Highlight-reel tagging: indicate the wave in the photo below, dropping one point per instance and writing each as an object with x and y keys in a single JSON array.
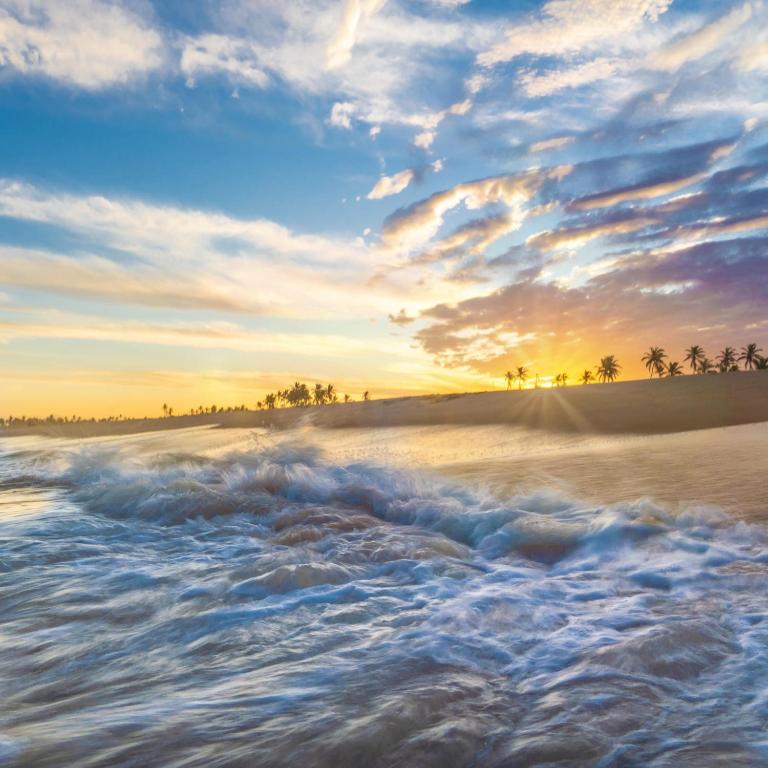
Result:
[{"x": 273, "y": 606}]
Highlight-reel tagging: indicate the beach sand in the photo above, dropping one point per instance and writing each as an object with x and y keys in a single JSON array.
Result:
[{"x": 634, "y": 407}]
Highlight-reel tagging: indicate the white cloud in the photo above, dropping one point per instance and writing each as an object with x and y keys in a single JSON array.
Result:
[
  {"x": 391, "y": 185},
  {"x": 554, "y": 143},
  {"x": 85, "y": 43},
  {"x": 703, "y": 41},
  {"x": 570, "y": 26},
  {"x": 213, "y": 54},
  {"x": 341, "y": 115},
  {"x": 755, "y": 57},
  {"x": 184, "y": 257},
  {"x": 355, "y": 11},
  {"x": 424, "y": 139},
  {"x": 536, "y": 85},
  {"x": 366, "y": 54}
]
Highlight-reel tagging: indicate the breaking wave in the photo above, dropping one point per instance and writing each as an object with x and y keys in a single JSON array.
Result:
[{"x": 272, "y": 608}]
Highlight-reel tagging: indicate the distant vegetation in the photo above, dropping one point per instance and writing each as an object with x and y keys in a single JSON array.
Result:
[
  {"x": 298, "y": 395},
  {"x": 657, "y": 363}
]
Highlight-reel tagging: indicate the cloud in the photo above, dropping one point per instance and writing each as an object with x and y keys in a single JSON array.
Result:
[
  {"x": 675, "y": 293},
  {"x": 391, "y": 185},
  {"x": 197, "y": 335},
  {"x": 642, "y": 191},
  {"x": 341, "y": 115},
  {"x": 571, "y": 26},
  {"x": 401, "y": 318},
  {"x": 88, "y": 44},
  {"x": 702, "y": 42},
  {"x": 556, "y": 142},
  {"x": 755, "y": 57},
  {"x": 340, "y": 48},
  {"x": 372, "y": 57},
  {"x": 214, "y": 54},
  {"x": 169, "y": 256},
  {"x": 568, "y": 237},
  {"x": 92, "y": 276},
  {"x": 536, "y": 85},
  {"x": 415, "y": 225}
]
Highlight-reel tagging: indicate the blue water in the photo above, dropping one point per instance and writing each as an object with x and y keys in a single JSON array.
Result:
[{"x": 272, "y": 608}]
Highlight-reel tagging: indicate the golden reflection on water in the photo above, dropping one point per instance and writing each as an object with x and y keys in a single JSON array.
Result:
[{"x": 725, "y": 467}]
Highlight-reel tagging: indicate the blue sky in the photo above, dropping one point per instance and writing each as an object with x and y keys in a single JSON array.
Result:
[{"x": 204, "y": 200}]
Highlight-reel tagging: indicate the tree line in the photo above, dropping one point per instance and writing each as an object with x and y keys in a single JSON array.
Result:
[
  {"x": 658, "y": 363},
  {"x": 300, "y": 395},
  {"x": 607, "y": 370}
]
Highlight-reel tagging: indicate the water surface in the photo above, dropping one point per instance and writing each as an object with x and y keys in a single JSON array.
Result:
[{"x": 221, "y": 598}]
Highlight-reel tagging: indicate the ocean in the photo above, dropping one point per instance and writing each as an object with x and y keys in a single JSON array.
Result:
[{"x": 423, "y": 597}]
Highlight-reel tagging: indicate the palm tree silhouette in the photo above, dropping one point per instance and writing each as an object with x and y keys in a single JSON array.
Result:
[
  {"x": 727, "y": 359},
  {"x": 674, "y": 369},
  {"x": 654, "y": 360},
  {"x": 509, "y": 377},
  {"x": 521, "y": 375},
  {"x": 165, "y": 409},
  {"x": 366, "y": 395},
  {"x": 694, "y": 355},
  {"x": 587, "y": 377},
  {"x": 748, "y": 355},
  {"x": 330, "y": 394},
  {"x": 761, "y": 363},
  {"x": 319, "y": 394},
  {"x": 707, "y": 366},
  {"x": 609, "y": 368}
]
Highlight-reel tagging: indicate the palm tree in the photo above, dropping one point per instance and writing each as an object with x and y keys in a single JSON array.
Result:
[
  {"x": 564, "y": 379},
  {"x": 319, "y": 394},
  {"x": 694, "y": 355},
  {"x": 366, "y": 395},
  {"x": 674, "y": 369},
  {"x": 761, "y": 363},
  {"x": 509, "y": 377},
  {"x": 347, "y": 399},
  {"x": 609, "y": 368},
  {"x": 587, "y": 377},
  {"x": 165, "y": 409},
  {"x": 521, "y": 374},
  {"x": 330, "y": 394},
  {"x": 707, "y": 366},
  {"x": 654, "y": 360},
  {"x": 748, "y": 355},
  {"x": 727, "y": 359}
]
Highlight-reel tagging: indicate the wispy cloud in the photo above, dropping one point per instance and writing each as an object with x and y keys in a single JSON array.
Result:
[
  {"x": 391, "y": 185},
  {"x": 88, "y": 44}
]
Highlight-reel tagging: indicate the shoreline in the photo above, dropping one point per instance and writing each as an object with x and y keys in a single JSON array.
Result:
[{"x": 658, "y": 406}]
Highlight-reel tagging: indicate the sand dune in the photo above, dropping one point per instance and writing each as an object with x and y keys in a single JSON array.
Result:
[{"x": 633, "y": 407}]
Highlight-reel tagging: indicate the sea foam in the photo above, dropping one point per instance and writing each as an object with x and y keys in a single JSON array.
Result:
[{"x": 271, "y": 607}]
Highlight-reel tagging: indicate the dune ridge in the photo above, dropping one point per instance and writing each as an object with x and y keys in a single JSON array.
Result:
[{"x": 633, "y": 407}]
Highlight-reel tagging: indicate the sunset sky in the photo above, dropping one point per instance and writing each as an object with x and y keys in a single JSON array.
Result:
[{"x": 201, "y": 201}]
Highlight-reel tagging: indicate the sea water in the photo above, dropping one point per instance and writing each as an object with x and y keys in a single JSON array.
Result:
[{"x": 266, "y": 603}]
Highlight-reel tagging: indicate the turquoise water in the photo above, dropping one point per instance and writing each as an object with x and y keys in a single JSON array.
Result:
[{"x": 274, "y": 606}]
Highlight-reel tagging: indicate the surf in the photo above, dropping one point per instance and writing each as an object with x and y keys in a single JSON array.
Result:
[{"x": 304, "y": 610}]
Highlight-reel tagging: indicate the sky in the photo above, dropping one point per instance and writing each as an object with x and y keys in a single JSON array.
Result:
[{"x": 203, "y": 201}]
